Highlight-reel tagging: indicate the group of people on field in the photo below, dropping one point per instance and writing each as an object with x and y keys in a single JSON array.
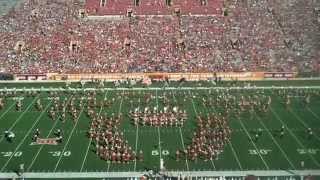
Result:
[
  {"x": 168, "y": 117},
  {"x": 109, "y": 141},
  {"x": 208, "y": 140}
]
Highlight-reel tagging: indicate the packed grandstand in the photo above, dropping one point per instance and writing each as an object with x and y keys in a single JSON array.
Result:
[
  {"x": 102, "y": 36},
  {"x": 160, "y": 89}
]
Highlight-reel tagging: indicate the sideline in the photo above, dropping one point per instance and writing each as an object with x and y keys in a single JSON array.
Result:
[
  {"x": 273, "y": 173},
  {"x": 158, "y": 88}
]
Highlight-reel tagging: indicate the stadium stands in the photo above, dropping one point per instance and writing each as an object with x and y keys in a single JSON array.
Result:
[
  {"x": 152, "y": 7},
  {"x": 50, "y": 36}
]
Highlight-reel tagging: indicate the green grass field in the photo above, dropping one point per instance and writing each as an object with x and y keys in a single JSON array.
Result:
[{"x": 295, "y": 151}]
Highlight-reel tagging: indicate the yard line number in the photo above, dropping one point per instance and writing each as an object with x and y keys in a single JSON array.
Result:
[
  {"x": 18, "y": 98},
  {"x": 58, "y": 153},
  {"x": 307, "y": 151},
  {"x": 10, "y": 153},
  {"x": 259, "y": 151},
  {"x": 163, "y": 152}
]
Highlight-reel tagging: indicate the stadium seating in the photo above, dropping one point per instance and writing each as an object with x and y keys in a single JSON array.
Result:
[{"x": 153, "y": 7}]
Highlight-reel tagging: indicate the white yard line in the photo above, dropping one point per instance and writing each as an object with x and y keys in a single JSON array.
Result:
[
  {"x": 4, "y": 113},
  {"x": 90, "y": 141},
  {"x": 25, "y": 137},
  {"x": 120, "y": 106},
  {"x": 229, "y": 143},
  {"x": 313, "y": 113},
  {"x": 159, "y": 136},
  {"x": 36, "y": 156},
  {"x": 303, "y": 123},
  {"x": 21, "y": 115},
  {"x": 182, "y": 141},
  {"x": 255, "y": 146},
  {"x": 136, "y": 146},
  {"x": 294, "y": 136},
  {"x": 181, "y": 137},
  {"x": 40, "y": 149},
  {"x": 276, "y": 143},
  {"x": 194, "y": 109},
  {"x": 235, "y": 155},
  {"x": 65, "y": 146}
]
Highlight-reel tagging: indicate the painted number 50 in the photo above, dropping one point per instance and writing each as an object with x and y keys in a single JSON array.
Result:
[{"x": 163, "y": 152}]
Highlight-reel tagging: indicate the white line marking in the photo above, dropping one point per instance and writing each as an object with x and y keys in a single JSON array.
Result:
[
  {"x": 229, "y": 143},
  {"x": 275, "y": 142},
  {"x": 120, "y": 106},
  {"x": 4, "y": 113},
  {"x": 36, "y": 156},
  {"x": 303, "y": 123},
  {"x": 180, "y": 131},
  {"x": 244, "y": 128},
  {"x": 136, "y": 146},
  {"x": 235, "y": 155},
  {"x": 159, "y": 136},
  {"x": 25, "y": 137},
  {"x": 313, "y": 113},
  {"x": 40, "y": 149},
  {"x": 65, "y": 146},
  {"x": 194, "y": 109},
  {"x": 294, "y": 136},
  {"x": 182, "y": 141},
  {"x": 21, "y": 115},
  {"x": 85, "y": 157}
]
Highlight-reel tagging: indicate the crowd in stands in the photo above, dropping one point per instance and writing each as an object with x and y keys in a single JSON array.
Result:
[
  {"x": 153, "y": 7},
  {"x": 50, "y": 36}
]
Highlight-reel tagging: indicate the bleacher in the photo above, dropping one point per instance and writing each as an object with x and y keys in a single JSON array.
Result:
[{"x": 153, "y": 7}]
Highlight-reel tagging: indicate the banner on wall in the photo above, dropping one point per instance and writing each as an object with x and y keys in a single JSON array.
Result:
[
  {"x": 279, "y": 75},
  {"x": 30, "y": 77}
]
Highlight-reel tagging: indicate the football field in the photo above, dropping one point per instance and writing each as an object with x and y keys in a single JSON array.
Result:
[{"x": 297, "y": 149}]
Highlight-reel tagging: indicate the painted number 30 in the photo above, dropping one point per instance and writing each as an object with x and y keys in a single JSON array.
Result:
[
  {"x": 259, "y": 151},
  {"x": 59, "y": 153},
  {"x": 156, "y": 152}
]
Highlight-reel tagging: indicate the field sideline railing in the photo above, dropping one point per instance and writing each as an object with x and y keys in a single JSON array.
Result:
[{"x": 215, "y": 174}]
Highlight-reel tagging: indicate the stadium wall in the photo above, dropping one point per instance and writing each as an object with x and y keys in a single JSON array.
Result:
[
  {"x": 175, "y": 76},
  {"x": 242, "y": 76}
]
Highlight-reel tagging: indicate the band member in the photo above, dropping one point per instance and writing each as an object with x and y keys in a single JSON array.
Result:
[
  {"x": 178, "y": 155},
  {"x": 18, "y": 105}
]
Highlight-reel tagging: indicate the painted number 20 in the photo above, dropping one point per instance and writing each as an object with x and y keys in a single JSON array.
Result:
[{"x": 9, "y": 154}]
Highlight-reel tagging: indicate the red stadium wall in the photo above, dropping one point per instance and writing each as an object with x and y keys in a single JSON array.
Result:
[{"x": 153, "y": 7}]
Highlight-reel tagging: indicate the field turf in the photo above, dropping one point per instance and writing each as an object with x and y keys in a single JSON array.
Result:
[{"x": 295, "y": 151}]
